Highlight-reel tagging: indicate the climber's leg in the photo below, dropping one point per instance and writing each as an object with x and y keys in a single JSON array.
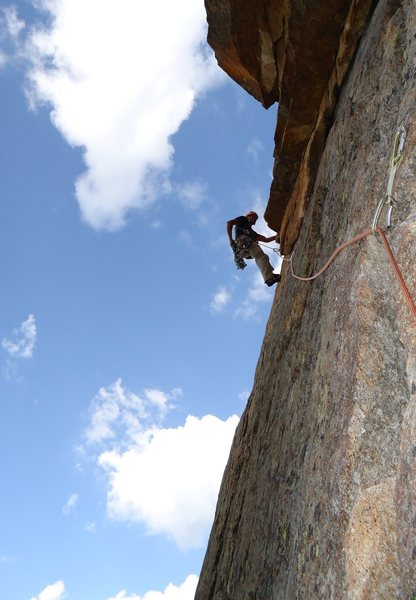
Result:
[{"x": 262, "y": 261}]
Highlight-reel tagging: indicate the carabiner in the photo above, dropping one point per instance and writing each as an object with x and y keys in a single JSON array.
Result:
[
  {"x": 396, "y": 157},
  {"x": 385, "y": 201}
]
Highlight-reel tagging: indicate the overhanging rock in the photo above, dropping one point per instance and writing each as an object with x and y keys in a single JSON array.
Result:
[{"x": 295, "y": 52}]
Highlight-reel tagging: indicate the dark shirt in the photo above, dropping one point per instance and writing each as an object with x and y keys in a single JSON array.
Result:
[{"x": 243, "y": 227}]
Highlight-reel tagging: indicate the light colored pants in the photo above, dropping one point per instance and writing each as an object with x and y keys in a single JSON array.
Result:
[{"x": 262, "y": 260}]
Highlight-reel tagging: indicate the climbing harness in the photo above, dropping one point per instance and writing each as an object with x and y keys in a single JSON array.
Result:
[
  {"x": 242, "y": 250},
  {"x": 386, "y": 202}
]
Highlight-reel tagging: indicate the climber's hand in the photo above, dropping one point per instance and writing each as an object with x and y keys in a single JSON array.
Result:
[{"x": 233, "y": 245}]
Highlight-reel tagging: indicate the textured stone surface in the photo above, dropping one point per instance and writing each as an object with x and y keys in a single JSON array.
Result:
[
  {"x": 296, "y": 52},
  {"x": 318, "y": 498}
]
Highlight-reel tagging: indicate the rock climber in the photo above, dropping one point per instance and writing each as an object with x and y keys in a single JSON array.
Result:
[{"x": 246, "y": 245}]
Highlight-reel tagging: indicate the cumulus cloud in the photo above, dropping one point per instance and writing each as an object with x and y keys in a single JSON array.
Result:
[
  {"x": 55, "y": 591},
  {"x": 171, "y": 483},
  {"x": 120, "y": 77},
  {"x": 11, "y": 28},
  {"x": 13, "y": 24},
  {"x": 186, "y": 591},
  {"x": 23, "y": 339},
  {"x": 191, "y": 194},
  {"x": 256, "y": 294},
  {"x": 220, "y": 300},
  {"x": 117, "y": 414},
  {"x": 70, "y": 504},
  {"x": 165, "y": 478}
]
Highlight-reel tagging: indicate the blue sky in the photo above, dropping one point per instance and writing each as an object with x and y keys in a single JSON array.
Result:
[{"x": 128, "y": 338}]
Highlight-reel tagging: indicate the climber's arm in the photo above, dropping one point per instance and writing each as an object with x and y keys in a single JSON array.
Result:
[{"x": 262, "y": 238}]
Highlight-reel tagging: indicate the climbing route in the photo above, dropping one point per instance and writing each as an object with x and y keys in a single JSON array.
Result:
[{"x": 386, "y": 202}]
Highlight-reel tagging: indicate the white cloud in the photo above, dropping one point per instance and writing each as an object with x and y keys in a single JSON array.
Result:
[
  {"x": 55, "y": 591},
  {"x": 165, "y": 478},
  {"x": 70, "y": 504},
  {"x": 24, "y": 341},
  {"x": 171, "y": 482},
  {"x": 192, "y": 194},
  {"x": 116, "y": 411},
  {"x": 220, "y": 300},
  {"x": 91, "y": 527},
  {"x": 244, "y": 396},
  {"x": 156, "y": 225},
  {"x": 120, "y": 80},
  {"x": 255, "y": 148},
  {"x": 257, "y": 293},
  {"x": 258, "y": 205},
  {"x": 11, "y": 370},
  {"x": 13, "y": 24},
  {"x": 186, "y": 238},
  {"x": 11, "y": 28},
  {"x": 186, "y": 591},
  {"x": 160, "y": 400}
]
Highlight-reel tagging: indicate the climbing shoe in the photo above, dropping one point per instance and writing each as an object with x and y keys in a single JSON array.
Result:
[{"x": 275, "y": 278}]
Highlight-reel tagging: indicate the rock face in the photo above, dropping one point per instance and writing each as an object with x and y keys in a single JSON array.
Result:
[
  {"x": 318, "y": 499},
  {"x": 297, "y": 52}
]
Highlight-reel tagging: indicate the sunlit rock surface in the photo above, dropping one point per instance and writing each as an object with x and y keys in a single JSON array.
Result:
[{"x": 318, "y": 499}]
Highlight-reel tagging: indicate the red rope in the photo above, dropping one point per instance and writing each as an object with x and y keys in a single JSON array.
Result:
[
  {"x": 357, "y": 238},
  {"x": 390, "y": 256},
  {"x": 397, "y": 272}
]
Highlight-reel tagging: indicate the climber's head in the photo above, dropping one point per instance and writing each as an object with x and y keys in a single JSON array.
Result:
[{"x": 252, "y": 217}]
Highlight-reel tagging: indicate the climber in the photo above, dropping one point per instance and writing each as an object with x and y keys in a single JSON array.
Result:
[{"x": 246, "y": 245}]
